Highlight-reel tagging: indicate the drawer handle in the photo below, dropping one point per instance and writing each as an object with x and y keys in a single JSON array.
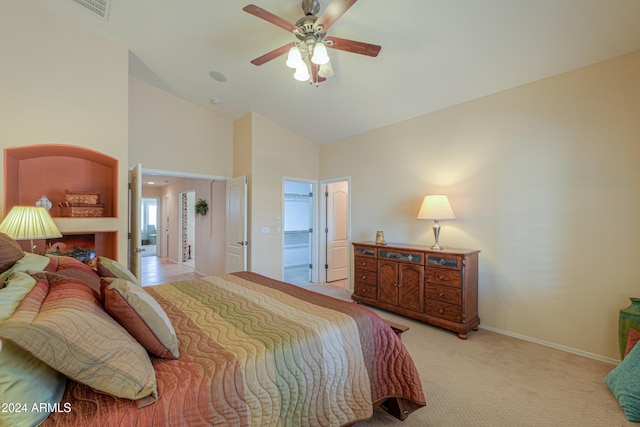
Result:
[
  {"x": 440, "y": 294},
  {"x": 441, "y": 277},
  {"x": 441, "y": 311},
  {"x": 364, "y": 290},
  {"x": 363, "y": 263},
  {"x": 442, "y": 261}
]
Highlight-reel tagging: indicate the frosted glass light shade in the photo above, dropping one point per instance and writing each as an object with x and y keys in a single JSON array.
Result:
[
  {"x": 436, "y": 207},
  {"x": 294, "y": 58},
  {"x": 302, "y": 73},
  {"x": 29, "y": 222},
  {"x": 326, "y": 70},
  {"x": 320, "y": 55}
]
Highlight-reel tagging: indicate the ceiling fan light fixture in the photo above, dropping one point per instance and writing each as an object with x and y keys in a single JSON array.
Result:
[
  {"x": 294, "y": 58},
  {"x": 302, "y": 73},
  {"x": 326, "y": 70},
  {"x": 320, "y": 55}
]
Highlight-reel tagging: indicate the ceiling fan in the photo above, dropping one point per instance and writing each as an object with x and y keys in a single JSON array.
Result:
[{"x": 308, "y": 54}]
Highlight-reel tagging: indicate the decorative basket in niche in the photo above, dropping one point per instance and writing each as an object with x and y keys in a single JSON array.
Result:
[
  {"x": 83, "y": 197},
  {"x": 80, "y": 210}
]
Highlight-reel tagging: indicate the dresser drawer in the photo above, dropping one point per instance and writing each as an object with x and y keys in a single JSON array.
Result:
[
  {"x": 365, "y": 277},
  {"x": 364, "y": 263},
  {"x": 443, "y": 310},
  {"x": 443, "y": 294},
  {"x": 401, "y": 255},
  {"x": 365, "y": 251},
  {"x": 453, "y": 262},
  {"x": 440, "y": 276},
  {"x": 363, "y": 290}
]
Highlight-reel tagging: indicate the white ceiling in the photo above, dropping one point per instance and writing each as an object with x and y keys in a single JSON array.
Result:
[{"x": 435, "y": 53}]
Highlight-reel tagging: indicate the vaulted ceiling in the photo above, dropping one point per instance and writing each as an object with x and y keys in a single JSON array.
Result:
[{"x": 435, "y": 53}]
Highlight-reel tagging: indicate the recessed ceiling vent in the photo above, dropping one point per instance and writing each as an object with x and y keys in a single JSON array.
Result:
[{"x": 99, "y": 7}]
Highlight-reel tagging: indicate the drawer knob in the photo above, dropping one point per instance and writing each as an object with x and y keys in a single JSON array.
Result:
[
  {"x": 399, "y": 285},
  {"x": 364, "y": 290},
  {"x": 441, "y": 311},
  {"x": 364, "y": 263},
  {"x": 440, "y": 294},
  {"x": 441, "y": 277},
  {"x": 364, "y": 277}
]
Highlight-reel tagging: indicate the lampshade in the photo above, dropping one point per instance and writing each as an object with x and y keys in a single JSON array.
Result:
[
  {"x": 320, "y": 55},
  {"x": 302, "y": 73},
  {"x": 436, "y": 207},
  {"x": 326, "y": 70},
  {"x": 28, "y": 223},
  {"x": 294, "y": 58}
]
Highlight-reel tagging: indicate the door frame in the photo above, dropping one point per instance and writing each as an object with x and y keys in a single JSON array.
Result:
[
  {"x": 313, "y": 243},
  {"x": 322, "y": 241}
]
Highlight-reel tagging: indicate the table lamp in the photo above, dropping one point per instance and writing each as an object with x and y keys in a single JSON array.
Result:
[
  {"x": 436, "y": 207},
  {"x": 28, "y": 223}
]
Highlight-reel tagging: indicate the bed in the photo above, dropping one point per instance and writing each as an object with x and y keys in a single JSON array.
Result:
[{"x": 238, "y": 349}]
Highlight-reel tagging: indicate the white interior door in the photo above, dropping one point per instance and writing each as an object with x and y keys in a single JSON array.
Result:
[
  {"x": 237, "y": 224},
  {"x": 337, "y": 202},
  {"x": 135, "y": 193}
]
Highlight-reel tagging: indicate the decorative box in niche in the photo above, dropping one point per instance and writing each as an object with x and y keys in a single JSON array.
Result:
[{"x": 81, "y": 204}]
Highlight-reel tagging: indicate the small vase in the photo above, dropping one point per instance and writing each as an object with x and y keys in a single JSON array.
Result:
[
  {"x": 629, "y": 318},
  {"x": 44, "y": 202}
]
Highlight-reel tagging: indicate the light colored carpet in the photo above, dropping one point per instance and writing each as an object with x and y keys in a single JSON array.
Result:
[{"x": 494, "y": 380}]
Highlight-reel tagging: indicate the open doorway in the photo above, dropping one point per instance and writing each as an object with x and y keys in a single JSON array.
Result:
[
  {"x": 298, "y": 239},
  {"x": 148, "y": 225}
]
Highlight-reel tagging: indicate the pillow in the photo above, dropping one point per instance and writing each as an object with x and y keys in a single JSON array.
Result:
[
  {"x": 141, "y": 315},
  {"x": 623, "y": 383},
  {"x": 62, "y": 323},
  {"x": 632, "y": 340},
  {"x": 23, "y": 378},
  {"x": 71, "y": 267},
  {"x": 28, "y": 262},
  {"x": 110, "y": 268},
  {"x": 10, "y": 252}
]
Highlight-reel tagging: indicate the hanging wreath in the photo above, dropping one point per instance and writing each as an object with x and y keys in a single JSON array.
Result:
[{"x": 201, "y": 207}]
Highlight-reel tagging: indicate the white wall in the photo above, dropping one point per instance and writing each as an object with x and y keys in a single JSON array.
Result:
[
  {"x": 544, "y": 179},
  {"x": 274, "y": 153},
  {"x": 170, "y": 134}
]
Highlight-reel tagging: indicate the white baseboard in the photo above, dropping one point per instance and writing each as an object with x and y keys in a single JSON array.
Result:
[{"x": 552, "y": 345}]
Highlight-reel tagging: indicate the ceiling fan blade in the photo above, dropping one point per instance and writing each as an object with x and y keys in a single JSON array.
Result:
[
  {"x": 270, "y": 17},
  {"x": 353, "y": 46},
  {"x": 333, "y": 12},
  {"x": 272, "y": 55}
]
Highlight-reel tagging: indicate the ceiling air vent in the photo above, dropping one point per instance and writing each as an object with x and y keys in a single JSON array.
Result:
[{"x": 99, "y": 7}]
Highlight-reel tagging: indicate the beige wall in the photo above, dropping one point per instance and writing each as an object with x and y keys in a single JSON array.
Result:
[
  {"x": 544, "y": 179},
  {"x": 169, "y": 134},
  {"x": 63, "y": 84},
  {"x": 275, "y": 153}
]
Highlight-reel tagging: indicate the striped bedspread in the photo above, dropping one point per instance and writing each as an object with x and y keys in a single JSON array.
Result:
[{"x": 259, "y": 352}]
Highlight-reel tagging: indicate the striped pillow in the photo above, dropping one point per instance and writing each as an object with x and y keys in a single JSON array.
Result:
[
  {"x": 141, "y": 315},
  {"x": 62, "y": 323}
]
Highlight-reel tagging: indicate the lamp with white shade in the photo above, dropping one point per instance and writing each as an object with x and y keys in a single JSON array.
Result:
[
  {"x": 29, "y": 223},
  {"x": 436, "y": 207}
]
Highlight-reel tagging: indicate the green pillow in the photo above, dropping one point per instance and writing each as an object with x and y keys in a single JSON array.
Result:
[
  {"x": 109, "y": 268},
  {"x": 23, "y": 378},
  {"x": 624, "y": 383}
]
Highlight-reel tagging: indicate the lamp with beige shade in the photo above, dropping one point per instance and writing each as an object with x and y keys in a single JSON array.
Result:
[
  {"x": 436, "y": 207},
  {"x": 28, "y": 223}
]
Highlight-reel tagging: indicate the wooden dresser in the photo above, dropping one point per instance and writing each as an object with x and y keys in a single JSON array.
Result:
[{"x": 436, "y": 287}]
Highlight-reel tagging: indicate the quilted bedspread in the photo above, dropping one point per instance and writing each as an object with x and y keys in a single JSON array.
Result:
[{"x": 259, "y": 352}]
